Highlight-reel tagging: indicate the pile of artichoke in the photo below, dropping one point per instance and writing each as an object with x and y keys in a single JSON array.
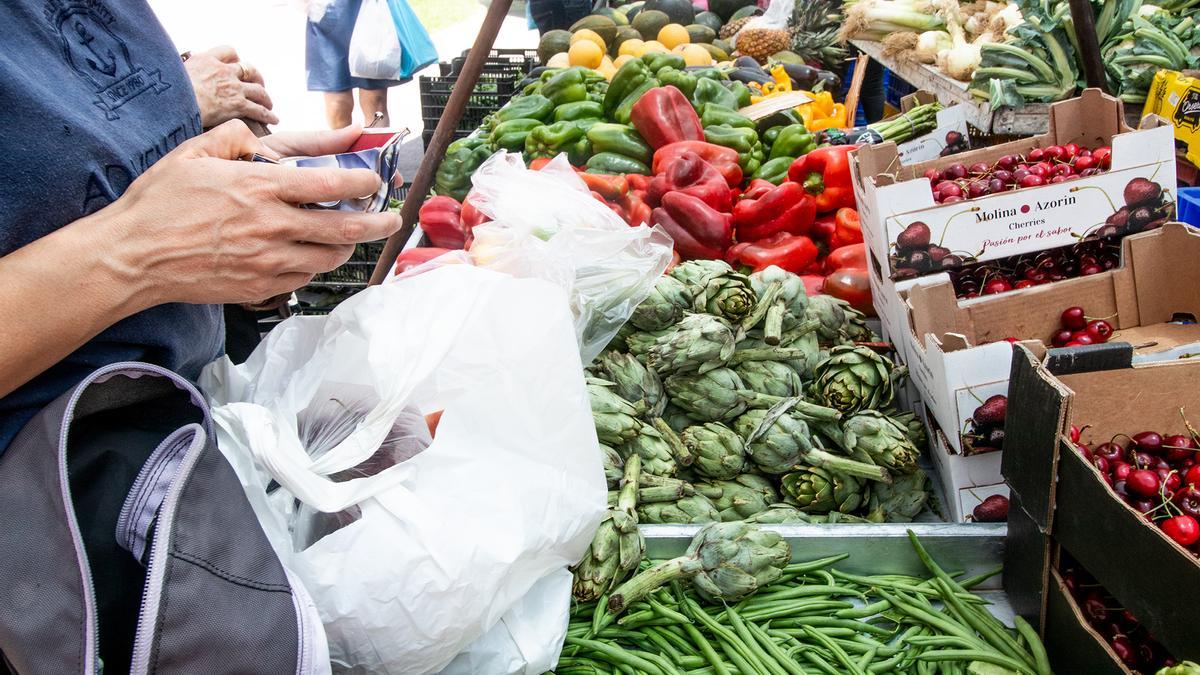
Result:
[{"x": 744, "y": 399}]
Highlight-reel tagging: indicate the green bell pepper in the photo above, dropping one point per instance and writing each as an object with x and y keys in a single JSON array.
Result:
[
  {"x": 627, "y": 78},
  {"x": 579, "y": 152},
  {"x": 713, "y": 115},
  {"x": 680, "y": 79},
  {"x": 453, "y": 176},
  {"x": 711, "y": 91},
  {"x": 769, "y": 136},
  {"x": 578, "y": 110},
  {"x": 710, "y": 73},
  {"x": 740, "y": 92},
  {"x": 657, "y": 61},
  {"x": 623, "y": 111},
  {"x": 551, "y": 139},
  {"x": 597, "y": 90},
  {"x": 793, "y": 141},
  {"x": 620, "y": 139},
  {"x": 615, "y": 163},
  {"x": 774, "y": 170},
  {"x": 535, "y": 107},
  {"x": 744, "y": 141},
  {"x": 566, "y": 87},
  {"x": 511, "y": 135}
]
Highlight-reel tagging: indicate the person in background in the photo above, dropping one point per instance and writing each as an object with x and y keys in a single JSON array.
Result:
[
  {"x": 327, "y": 60},
  {"x": 551, "y": 15},
  {"x": 227, "y": 88}
]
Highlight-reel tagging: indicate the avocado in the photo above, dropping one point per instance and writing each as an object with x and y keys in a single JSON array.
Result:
[
  {"x": 648, "y": 22},
  {"x": 553, "y": 42},
  {"x": 698, "y": 34},
  {"x": 679, "y": 11},
  {"x": 711, "y": 20}
]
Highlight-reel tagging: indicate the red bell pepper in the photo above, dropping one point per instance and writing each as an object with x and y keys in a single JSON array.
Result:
[
  {"x": 823, "y": 228},
  {"x": 793, "y": 253},
  {"x": 691, "y": 175},
  {"x": 849, "y": 228},
  {"x": 539, "y": 163},
  {"x": 699, "y": 230},
  {"x": 853, "y": 257},
  {"x": 472, "y": 217},
  {"x": 813, "y": 284},
  {"x": 441, "y": 220},
  {"x": 637, "y": 211},
  {"x": 637, "y": 181},
  {"x": 853, "y": 286},
  {"x": 785, "y": 208},
  {"x": 611, "y": 188},
  {"x": 825, "y": 174},
  {"x": 722, "y": 158},
  {"x": 417, "y": 256},
  {"x": 757, "y": 189},
  {"x": 663, "y": 115}
]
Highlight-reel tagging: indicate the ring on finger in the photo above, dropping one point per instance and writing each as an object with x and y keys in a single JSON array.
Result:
[{"x": 241, "y": 72}]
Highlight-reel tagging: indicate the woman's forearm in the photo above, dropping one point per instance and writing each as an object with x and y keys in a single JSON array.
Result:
[{"x": 57, "y": 293}]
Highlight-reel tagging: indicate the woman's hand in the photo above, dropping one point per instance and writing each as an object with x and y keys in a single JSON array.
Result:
[{"x": 227, "y": 89}]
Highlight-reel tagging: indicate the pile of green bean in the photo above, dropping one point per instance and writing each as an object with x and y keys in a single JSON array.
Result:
[{"x": 814, "y": 619}]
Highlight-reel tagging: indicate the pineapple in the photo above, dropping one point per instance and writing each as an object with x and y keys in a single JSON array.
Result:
[
  {"x": 730, "y": 29},
  {"x": 760, "y": 43},
  {"x": 814, "y": 32}
]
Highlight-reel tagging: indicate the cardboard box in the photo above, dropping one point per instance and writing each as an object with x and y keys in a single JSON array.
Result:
[
  {"x": 1147, "y": 572},
  {"x": 1071, "y": 643},
  {"x": 929, "y": 146},
  {"x": 892, "y": 196},
  {"x": 956, "y": 353},
  {"x": 964, "y": 481}
]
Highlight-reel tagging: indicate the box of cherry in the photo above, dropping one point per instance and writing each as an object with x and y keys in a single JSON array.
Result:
[{"x": 1090, "y": 176}]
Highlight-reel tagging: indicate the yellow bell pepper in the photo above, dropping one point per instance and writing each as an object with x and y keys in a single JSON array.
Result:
[{"x": 822, "y": 113}]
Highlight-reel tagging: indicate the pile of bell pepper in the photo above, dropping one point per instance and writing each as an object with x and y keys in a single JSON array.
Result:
[{"x": 663, "y": 145}]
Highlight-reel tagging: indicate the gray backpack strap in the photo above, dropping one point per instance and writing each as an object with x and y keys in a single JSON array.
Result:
[{"x": 129, "y": 479}]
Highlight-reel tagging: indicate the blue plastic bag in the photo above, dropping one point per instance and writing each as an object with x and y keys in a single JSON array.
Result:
[{"x": 417, "y": 48}]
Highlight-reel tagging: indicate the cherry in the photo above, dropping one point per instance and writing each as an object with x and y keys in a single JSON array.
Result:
[
  {"x": 1062, "y": 170},
  {"x": 1183, "y": 529},
  {"x": 1084, "y": 163},
  {"x": 1040, "y": 169},
  {"x": 1088, "y": 270},
  {"x": 1055, "y": 180},
  {"x": 1192, "y": 476},
  {"x": 954, "y": 172},
  {"x": 976, "y": 189},
  {"x": 1120, "y": 470},
  {"x": 952, "y": 200},
  {"x": 950, "y": 190},
  {"x": 1031, "y": 181},
  {"x": 1052, "y": 152},
  {"x": 1073, "y": 318},
  {"x": 1188, "y": 500},
  {"x": 1070, "y": 151},
  {"x": 980, "y": 168},
  {"x": 1103, "y": 156},
  {"x": 1081, "y": 338},
  {"x": 1076, "y": 432},
  {"x": 1179, "y": 447},
  {"x": 1101, "y": 465},
  {"x": 1024, "y": 283},
  {"x": 1142, "y": 482},
  {"x": 996, "y": 286},
  {"x": 1036, "y": 155},
  {"x": 1148, "y": 441},
  {"x": 1100, "y": 330},
  {"x": 1003, "y": 175},
  {"x": 933, "y": 175},
  {"x": 996, "y": 185},
  {"x": 1007, "y": 162},
  {"x": 1110, "y": 451},
  {"x": 1019, "y": 173},
  {"x": 1170, "y": 480},
  {"x": 1123, "y": 647}
]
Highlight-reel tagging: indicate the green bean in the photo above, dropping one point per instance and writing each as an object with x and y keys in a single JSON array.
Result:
[
  {"x": 797, "y": 569},
  {"x": 819, "y": 662},
  {"x": 886, "y": 665},
  {"x": 706, "y": 648},
  {"x": 998, "y": 639},
  {"x": 794, "y": 608},
  {"x": 928, "y": 617},
  {"x": 691, "y": 661},
  {"x": 666, "y": 612},
  {"x": 617, "y": 655},
  {"x": 773, "y": 649},
  {"x": 803, "y": 592},
  {"x": 663, "y": 662},
  {"x": 1040, "y": 659},
  {"x": 864, "y": 611},
  {"x": 831, "y": 622},
  {"x": 839, "y": 654},
  {"x": 976, "y": 655},
  {"x": 743, "y": 633},
  {"x": 866, "y": 659},
  {"x": 730, "y": 644},
  {"x": 635, "y": 617},
  {"x": 664, "y": 646},
  {"x": 599, "y": 616},
  {"x": 924, "y": 587},
  {"x": 676, "y": 640}
]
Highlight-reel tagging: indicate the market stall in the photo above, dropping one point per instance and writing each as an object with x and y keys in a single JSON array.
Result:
[{"x": 823, "y": 362}]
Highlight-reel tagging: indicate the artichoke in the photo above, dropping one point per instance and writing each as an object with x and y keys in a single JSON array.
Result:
[
  {"x": 677, "y": 418},
  {"x": 773, "y": 378},
  {"x": 725, "y": 561},
  {"x": 684, "y": 511},
  {"x": 700, "y": 342},
  {"x": 718, "y": 451},
  {"x": 616, "y": 419},
  {"x": 819, "y": 491},
  {"x": 639, "y": 343},
  {"x": 665, "y": 305},
  {"x": 695, "y": 274},
  {"x": 839, "y": 322},
  {"x": 788, "y": 300},
  {"x": 728, "y": 296},
  {"x": 741, "y": 497},
  {"x": 614, "y": 466},
  {"x": 633, "y": 381},
  {"x": 883, "y": 439},
  {"x": 853, "y": 379},
  {"x": 780, "y": 514},
  {"x": 654, "y": 451},
  {"x": 717, "y": 395},
  {"x": 1184, "y": 668},
  {"x": 617, "y": 547},
  {"x": 901, "y": 501},
  {"x": 779, "y": 439},
  {"x": 802, "y": 350},
  {"x": 913, "y": 427}
]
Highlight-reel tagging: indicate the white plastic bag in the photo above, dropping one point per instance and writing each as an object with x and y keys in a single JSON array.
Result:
[
  {"x": 777, "y": 16},
  {"x": 375, "y": 50},
  {"x": 546, "y": 224},
  {"x": 432, "y": 552}
]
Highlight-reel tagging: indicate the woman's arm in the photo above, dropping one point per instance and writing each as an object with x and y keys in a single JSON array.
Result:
[{"x": 196, "y": 227}]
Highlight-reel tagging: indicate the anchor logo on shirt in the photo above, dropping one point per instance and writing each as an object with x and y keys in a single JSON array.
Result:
[{"x": 98, "y": 55}]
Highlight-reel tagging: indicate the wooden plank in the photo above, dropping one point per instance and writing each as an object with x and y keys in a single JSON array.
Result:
[{"x": 774, "y": 104}]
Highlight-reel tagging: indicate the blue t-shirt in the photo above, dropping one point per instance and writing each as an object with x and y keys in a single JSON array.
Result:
[{"x": 92, "y": 92}]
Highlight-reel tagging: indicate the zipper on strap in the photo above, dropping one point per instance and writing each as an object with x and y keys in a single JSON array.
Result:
[{"x": 150, "y": 489}]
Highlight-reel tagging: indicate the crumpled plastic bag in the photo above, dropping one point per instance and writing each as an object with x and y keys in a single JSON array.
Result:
[
  {"x": 430, "y": 546},
  {"x": 546, "y": 225}
]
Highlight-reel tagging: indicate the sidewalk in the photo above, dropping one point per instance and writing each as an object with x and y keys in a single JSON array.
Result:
[{"x": 270, "y": 35}]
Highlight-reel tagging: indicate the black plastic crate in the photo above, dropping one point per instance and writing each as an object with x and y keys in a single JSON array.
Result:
[
  {"x": 489, "y": 95},
  {"x": 427, "y": 134}
]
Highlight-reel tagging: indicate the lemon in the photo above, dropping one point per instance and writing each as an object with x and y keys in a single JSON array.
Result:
[
  {"x": 585, "y": 53},
  {"x": 695, "y": 55},
  {"x": 672, "y": 35},
  {"x": 589, "y": 35},
  {"x": 623, "y": 59},
  {"x": 631, "y": 47},
  {"x": 654, "y": 47},
  {"x": 559, "y": 60}
]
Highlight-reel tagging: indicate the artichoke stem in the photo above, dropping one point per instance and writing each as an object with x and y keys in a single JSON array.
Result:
[
  {"x": 645, "y": 583},
  {"x": 773, "y": 327},
  {"x": 766, "y": 354},
  {"x": 678, "y": 449},
  {"x": 762, "y": 308},
  {"x": 827, "y": 460},
  {"x": 628, "y": 496}
]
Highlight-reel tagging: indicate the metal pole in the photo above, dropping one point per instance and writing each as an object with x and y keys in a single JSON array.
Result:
[
  {"x": 1089, "y": 44},
  {"x": 423, "y": 180}
]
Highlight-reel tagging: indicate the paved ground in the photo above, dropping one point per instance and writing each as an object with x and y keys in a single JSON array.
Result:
[{"x": 270, "y": 34}]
